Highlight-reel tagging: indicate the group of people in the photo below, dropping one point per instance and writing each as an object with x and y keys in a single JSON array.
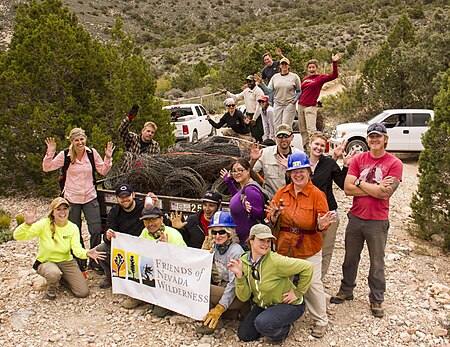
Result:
[
  {"x": 275, "y": 244},
  {"x": 278, "y": 102}
]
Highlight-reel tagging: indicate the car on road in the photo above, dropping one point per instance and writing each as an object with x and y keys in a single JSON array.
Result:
[
  {"x": 404, "y": 126},
  {"x": 190, "y": 122}
]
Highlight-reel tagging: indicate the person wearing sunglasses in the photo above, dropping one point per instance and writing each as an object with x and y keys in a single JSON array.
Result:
[
  {"x": 195, "y": 228},
  {"x": 246, "y": 209},
  {"x": 250, "y": 95},
  {"x": 233, "y": 119},
  {"x": 299, "y": 212},
  {"x": 266, "y": 275},
  {"x": 155, "y": 230},
  {"x": 271, "y": 162},
  {"x": 223, "y": 241}
]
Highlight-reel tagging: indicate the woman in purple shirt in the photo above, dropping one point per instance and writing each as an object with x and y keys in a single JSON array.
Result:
[{"x": 246, "y": 210}]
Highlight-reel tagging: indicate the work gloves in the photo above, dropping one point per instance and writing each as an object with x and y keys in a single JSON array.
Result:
[
  {"x": 212, "y": 318},
  {"x": 133, "y": 112}
]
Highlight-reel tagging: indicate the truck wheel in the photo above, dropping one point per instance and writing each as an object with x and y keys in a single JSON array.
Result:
[
  {"x": 357, "y": 145},
  {"x": 194, "y": 136}
]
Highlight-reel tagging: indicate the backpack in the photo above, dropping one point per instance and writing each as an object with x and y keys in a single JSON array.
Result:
[
  {"x": 63, "y": 172},
  {"x": 265, "y": 195}
]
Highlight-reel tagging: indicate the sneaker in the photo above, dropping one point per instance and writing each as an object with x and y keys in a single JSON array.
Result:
[
  {"x": 105, "y": 283},
  {"x": 205, "y": 330},
  {"x": 50, "y": 293},
  {"x": 340, "y": 297},
  {"x": 131, "y": 303},
  {"x": 318, "y": 331},
  {"x": 377, "y": 310}
]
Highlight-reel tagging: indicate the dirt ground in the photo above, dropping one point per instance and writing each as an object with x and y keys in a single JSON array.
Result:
[{"x": 417, "y": 303}]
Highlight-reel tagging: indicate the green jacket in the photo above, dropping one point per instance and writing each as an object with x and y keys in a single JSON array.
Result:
[
  {"x": 173, "y": 236},
  {"x": 274, "y": 272},
  {"x": 66, "y": 239}
]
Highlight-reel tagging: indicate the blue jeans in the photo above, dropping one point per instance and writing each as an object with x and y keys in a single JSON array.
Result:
[{"x": 273, "y": 322}]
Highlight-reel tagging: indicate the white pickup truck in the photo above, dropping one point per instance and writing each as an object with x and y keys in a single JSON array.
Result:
[
  {"x": 190, "y": 121},
  {"x": 405, "y": 128}
]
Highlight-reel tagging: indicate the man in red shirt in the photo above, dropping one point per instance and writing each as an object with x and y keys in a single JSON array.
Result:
[
  {"x": 311, "y": 87},
  {"x": 371, "y": 179}
]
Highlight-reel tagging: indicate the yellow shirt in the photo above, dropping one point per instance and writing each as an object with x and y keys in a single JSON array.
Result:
[{"x": 66, "y": 239}]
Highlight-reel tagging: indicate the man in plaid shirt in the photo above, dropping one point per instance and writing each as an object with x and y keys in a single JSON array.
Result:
[{"x": 138, "y": 144}]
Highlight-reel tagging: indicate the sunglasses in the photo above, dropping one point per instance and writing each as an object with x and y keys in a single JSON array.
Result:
[
  {"x": 232, "y": 105},
  {"x": 261, "y": 101},
  {"x": 220, "y": 232},
  {"x": 238, "y": 171},
  {"x": 151, "y": 220},
  {"x": 376, "y": 127},
  {"x": 255, "y": 272},
  {"x": 283, "y": 136}
]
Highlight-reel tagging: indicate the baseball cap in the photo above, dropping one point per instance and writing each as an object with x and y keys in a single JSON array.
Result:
[
  {"x": 124, "y": 189},
  {"x": 376, "y": 128},
  {"x": 285, "y": 60},
  {"x": 251, "y": 78},
  {"x": 212, "y": 196},
  {"x": 261, "y": 231},
  {"x": 151, "y": 212},
  {"x": 264, "y": 98},
  {"x": 284, "y": 129}
]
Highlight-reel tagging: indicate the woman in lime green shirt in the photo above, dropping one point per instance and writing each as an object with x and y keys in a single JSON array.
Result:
[{"x": 58, "y": 239}]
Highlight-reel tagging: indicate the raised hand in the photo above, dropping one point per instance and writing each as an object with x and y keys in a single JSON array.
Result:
[
  {"x": 164, "y": 238},
  {"x": 258, "y": 79},
  {"x": 337, "y": 56},
  {"x": 94, "y": 254},
  {"x": 255, "y": 151},
  {"x": 339, "y": 150},
  {"x": 235, "y": 265},
  {"x": 177, "y": 220},
  {"x": 51, "y": 145},
  {"x": 326, "y": 219},
  {"x": 278, "y": 51},
  {"x": 30, "y": 216},
  {"x": 273, "y": 210},
  {"x": 348, "y": 158},
  {"x": 109, "y": 149},
  {"x": 133, "y": 112},
  {"x": 224, "y": 173}
]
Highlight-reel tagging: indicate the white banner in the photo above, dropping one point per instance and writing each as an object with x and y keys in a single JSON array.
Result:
[{"x": 167, "y": 275}]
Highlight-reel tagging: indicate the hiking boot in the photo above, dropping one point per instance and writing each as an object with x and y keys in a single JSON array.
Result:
[
  {"x": 377, "y": 310},
  {"x": 105, "y": 283},
  {"x": 205, "y": 330},
  {"x": 50, "y": 293},
  {"x": 340, "y": 297},
  {"x": 318, "y": 331},
  {"x": 131, "y": 303}
]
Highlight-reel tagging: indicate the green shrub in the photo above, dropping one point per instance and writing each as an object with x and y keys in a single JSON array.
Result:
[{"x": 5, "y": 222}]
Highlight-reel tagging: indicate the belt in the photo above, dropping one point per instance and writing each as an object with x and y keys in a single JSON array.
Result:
[{"x": 297, "y": 231}]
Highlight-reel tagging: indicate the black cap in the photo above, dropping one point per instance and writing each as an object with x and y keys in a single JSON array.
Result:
[
  {"x": 151, "y": 212},
  {"x": 212, "y": 196},
  {"x": 124, "y": 189},
  {"x": 376, "y": 128}
]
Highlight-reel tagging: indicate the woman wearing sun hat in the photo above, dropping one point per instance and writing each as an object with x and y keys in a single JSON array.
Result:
[{"x": 266, "y": 275}]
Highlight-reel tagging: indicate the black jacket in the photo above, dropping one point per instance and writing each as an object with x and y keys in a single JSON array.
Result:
[
  {"x": 192, "y": 232},
  {"x": 325, "y": 173}
]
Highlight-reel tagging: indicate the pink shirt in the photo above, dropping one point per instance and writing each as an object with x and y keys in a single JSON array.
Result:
[
  {"x": 373, "y": 170},
  {"x": 79, "y": 188}
]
